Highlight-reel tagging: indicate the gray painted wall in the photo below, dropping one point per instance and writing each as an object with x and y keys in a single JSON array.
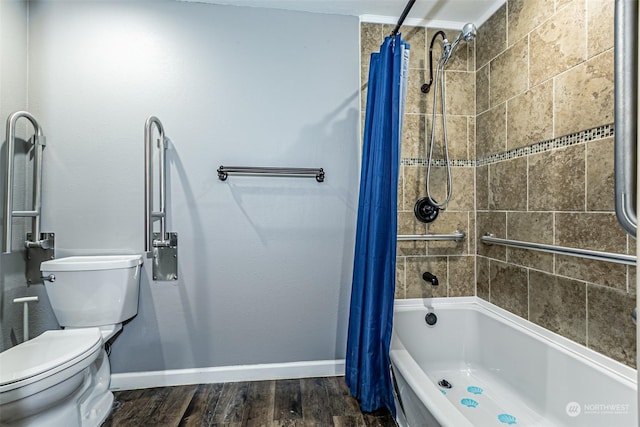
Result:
[
  {"x": 13, "y": 97},
  {"x": 265, "y": 263}
]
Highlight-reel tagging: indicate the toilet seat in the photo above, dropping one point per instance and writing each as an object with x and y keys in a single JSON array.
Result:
[{"x": 48, "y": 354}]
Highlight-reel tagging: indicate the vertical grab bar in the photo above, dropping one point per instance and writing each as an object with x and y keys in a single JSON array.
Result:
[
  {"x": 162, "y": 247},
  {"x": 8, "y": 212},
  {"x": 626, "y": 92},
  {"x": 150, "y": 215}
]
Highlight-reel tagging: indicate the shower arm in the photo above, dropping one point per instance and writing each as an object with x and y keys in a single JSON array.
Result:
[{"x": 427, "y": 86}]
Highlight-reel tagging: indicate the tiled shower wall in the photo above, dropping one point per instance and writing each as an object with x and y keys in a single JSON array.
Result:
[
  {"x": 452, "y": 262},
  {"x": 542, "y": 72},
  {"x": 544, "y": 170}
]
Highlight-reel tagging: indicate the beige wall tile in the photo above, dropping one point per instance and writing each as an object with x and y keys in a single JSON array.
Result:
[
  {"x": 471, "y": 235},
  {"x": 438, "y": 183},
  {"x": 448, "y": 222},
  {"x": 558, "y": 44},
  {"x": 460, "y": 93},
  {"x": 493, "y": 34},
  {"x": 471, "y": 135},
  {"x": 482, "y": 187},
  {"x": 598, "y": 272},
  {"x": 457, "y": 136},
  {"x": 463, "y": 196},
  {"x": 556, "y": 180},
  {"x": 508, "y": 185},
  {"x": 598, "y": 231},
  {"x": 530, "y": 116},
  {"x": 534, "y": 227},
  {"x": 400, "y": 188},
  {"x": 525, "y": 15},
  {"x": 509, "y": 288},
  {"x": 530, "y": 227},
  {"x": 370, "y": 40},
  {"x": 461, "y": 276},
  {"x": 416, "y": 286},
  {"x": 509, "y": 75},
  {"x": 482, "y": 281},
  {"x": 416, "y": 101},
  {"x": 414, "y": 186},
  {"x": 558, "y": 304},
  {"x": 401, "y": 286},
  {"x": 413, "y": 136},
  {"x": 415, "y": 36},
  {"x": 408, "y": 224},
  {"x": 482, "y": 89},
  {"x": 531, "y": 259},
  {"x": 584, "y": 95},
  {"x": 495, "y": 223},
  {"x": 491, "y": 131},
  {"x": 562, "y": 3},
  {"x": 610, "y": 330},
  {"x": 600, "y": 28},
  {"x": 600, "y": 175}
]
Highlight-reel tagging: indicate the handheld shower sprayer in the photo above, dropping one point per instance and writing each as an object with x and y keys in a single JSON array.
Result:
[{"x": 427, "y": 208}]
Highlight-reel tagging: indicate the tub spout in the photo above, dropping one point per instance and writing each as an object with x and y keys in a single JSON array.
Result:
[{"x": 430, "y": 278}]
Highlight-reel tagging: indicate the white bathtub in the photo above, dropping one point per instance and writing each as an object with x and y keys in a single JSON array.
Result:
[{"x": 503, "y": 369}]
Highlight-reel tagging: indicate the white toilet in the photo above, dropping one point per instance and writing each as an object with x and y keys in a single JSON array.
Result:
[{"x": 61, "y": 378}]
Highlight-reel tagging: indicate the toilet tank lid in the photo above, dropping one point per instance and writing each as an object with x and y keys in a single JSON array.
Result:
[
  {"x": 46, "y": 352},
  {"x": 92, "y": 262}
]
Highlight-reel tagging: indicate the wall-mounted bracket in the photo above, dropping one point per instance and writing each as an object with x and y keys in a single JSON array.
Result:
[
  {"x": 44, "y": 250},
  {"x": 164, "y": 253}
]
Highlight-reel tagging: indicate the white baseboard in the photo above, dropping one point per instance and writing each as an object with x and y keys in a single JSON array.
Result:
[{"x": 223, "y": 374}]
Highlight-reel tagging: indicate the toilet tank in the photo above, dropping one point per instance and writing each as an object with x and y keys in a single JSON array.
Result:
[{"x": 93, "y": 290}]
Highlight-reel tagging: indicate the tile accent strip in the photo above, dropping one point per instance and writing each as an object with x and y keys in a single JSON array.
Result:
[{"x": 600, "y": 132}]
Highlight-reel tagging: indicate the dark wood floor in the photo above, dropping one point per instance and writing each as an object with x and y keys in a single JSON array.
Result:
[{"x": 305, "y": 402}]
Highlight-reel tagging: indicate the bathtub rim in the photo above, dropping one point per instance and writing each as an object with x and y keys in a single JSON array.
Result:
[{"x": 440, "y": 407}]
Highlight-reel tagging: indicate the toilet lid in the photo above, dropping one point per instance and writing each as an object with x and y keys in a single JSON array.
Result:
[{"x": 49, "y": 352}]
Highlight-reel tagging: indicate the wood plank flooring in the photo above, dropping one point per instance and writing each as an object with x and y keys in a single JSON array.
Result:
[{"x": 304, "y": 402}]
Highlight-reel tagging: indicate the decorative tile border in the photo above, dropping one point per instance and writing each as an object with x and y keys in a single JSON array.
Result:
[
  {"x": 436, "y": 162},
  {"x": 600, "y": 132}
]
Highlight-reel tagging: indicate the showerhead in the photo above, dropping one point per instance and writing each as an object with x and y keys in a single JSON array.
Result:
[{"x": 468, "y": 32}]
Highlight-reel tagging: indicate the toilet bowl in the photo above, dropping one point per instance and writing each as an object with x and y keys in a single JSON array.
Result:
[{"x": 61, "y": 378}]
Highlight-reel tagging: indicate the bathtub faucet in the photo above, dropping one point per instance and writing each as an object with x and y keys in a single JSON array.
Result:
[{"x": 430, "y": 278}]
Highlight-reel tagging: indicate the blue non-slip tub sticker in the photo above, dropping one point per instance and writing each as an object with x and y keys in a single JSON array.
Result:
[
  {"x": 507, "y": 419},
  {"x": 474, "y": 389},
  {"x": 469, "y": 403}
]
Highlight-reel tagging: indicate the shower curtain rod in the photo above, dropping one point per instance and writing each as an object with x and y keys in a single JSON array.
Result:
[{"x": 405, "y": 12}]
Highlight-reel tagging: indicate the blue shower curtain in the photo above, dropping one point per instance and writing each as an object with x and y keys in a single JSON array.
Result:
[{"x": 371, "y": 315}]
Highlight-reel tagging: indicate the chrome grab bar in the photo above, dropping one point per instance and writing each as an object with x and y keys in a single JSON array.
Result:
[
  {"x": 224, "y": 171},
  {"x": 561, "y": 250},
  {"x": 626, "y": 131},
  {"x": 457, "y": 236},
  {"x": 150, "y": 215},
  {"x": 162, "y": 247},
  {"x": 8, "y": 212}
]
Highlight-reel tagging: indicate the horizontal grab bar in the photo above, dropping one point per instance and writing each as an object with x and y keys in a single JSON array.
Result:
[
  {"x": 562, "y": 250},
  {"x": 224, "y": 171},
  {"x": 25, "y": 213},
  {"x": 458, "y": 235}
]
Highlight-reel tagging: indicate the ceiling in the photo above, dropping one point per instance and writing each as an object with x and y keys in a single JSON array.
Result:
[{"x": 440, "y": 13}]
